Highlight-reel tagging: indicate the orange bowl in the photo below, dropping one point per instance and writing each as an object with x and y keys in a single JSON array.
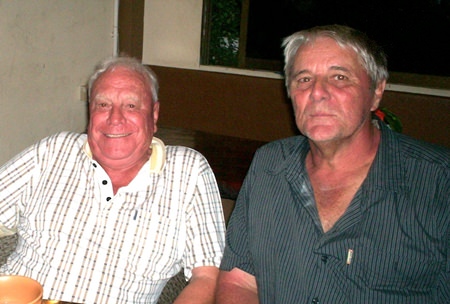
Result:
[{"x": 15, "y": 289}]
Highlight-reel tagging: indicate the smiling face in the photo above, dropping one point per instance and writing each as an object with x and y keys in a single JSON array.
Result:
[
  {"x": 331, "y": 92},
  {"x": 123, "y": 119}
]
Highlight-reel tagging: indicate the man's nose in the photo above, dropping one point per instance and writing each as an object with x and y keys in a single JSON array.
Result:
[
  {"x": 320, "y": 90},
  {"x": 116, "y": 115}
]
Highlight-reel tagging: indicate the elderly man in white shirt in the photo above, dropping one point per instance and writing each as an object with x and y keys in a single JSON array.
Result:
[{"x": 110, "y": 216}]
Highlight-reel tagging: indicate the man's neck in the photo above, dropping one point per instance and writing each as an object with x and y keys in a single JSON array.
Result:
[
  {"x": 337, "y": 174},
  {"x": 354, "y": 152}
]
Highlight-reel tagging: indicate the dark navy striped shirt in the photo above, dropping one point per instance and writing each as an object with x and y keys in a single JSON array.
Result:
[{"x": 391, "y": 245}]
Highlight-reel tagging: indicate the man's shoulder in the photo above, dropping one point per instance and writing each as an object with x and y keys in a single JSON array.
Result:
[
  {"x": 277, "y": 155},
  {"x": 65, "y": 136},
  {"x": 285, "y": 146},
  {"x": 175, "y": 149},
  {"x": 182, "y": 153},
  {"x": 418, "y": 150},
  {"x": 62, "y": 142}
]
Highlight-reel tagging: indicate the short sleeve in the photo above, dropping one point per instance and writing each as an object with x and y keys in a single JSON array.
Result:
[
  {"x": 205, "y": 223},
  {"x": 237, "y": 253}
]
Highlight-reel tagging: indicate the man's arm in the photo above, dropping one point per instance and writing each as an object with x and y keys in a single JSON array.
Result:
[
  {"x": 236, "y": 286},
  {"x": 201, "y": 287}
]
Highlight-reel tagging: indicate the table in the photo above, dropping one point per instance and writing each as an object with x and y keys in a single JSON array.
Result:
[
  {"x": 57, "y": 302},
  {"x": 229, "y": 157}
]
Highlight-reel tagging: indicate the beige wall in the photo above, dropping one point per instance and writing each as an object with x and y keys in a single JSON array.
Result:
[
  {"x": 48, "y": 48},
  {"x": 257, "y": 108},
  {"x": 253, "y": 104},
  {"x": 172, "y": 32}
]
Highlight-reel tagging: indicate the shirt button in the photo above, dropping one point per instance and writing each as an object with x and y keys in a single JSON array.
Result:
[
  {"x": 104, "y": 182},
  {"x": 324, "y": 259},
  {"x": 315, "y": 301},
  {"x": 108, "y": 199},
  {"x": 95, "y": 165}
]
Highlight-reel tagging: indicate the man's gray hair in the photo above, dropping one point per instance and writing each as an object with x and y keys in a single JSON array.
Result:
[
  {"x": 130, "y": 63},
  {"x": 371, "y": 55}
]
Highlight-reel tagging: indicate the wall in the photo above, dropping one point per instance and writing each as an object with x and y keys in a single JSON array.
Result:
[
  {"x": 226, "y": 104},
  {"x": 252, "y": 104},
  {"x": 171, "y": 24},
  {"x": 257, "y": 108},
  {"x": 48, "y": 49}
]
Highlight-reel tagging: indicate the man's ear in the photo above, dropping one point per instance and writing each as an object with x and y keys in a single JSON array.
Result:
[
  {"x": 378, "y": 94},
  {"x": 155, "y": 115}
]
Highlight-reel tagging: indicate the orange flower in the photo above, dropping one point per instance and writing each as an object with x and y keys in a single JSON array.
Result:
[{"x": 380, "y": 114}]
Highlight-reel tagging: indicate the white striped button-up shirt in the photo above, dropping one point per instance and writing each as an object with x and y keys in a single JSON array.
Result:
[{"x": 85, "y": 244}]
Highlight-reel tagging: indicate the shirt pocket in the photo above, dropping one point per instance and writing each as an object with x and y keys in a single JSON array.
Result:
[
  {"x": 393, "y": 273},
  {"x": 154, "y": 249}
]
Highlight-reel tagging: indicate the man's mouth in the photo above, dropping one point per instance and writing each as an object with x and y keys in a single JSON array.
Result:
[
  {"x": 321, "y": 114},
  {"x": 117, "y": 135}
]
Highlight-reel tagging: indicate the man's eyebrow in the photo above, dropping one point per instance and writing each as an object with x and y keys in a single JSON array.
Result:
[
  {"x": 131, "y": 96},
  {"x": 99, "y": 97},
  {"x": 339, "y": 68},
  {"x": 294, "y": 75},
  {"x": 332, "y": 68}
]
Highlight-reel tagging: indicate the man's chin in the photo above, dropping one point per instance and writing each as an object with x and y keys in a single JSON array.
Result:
[
  {"x": 122, "y": 158},
  {"x": 112, "y": 158},
  {"x": 321, "y": 133}
]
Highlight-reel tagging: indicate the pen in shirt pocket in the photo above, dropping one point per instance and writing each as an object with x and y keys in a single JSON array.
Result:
[{"x": 349, "y": 256}]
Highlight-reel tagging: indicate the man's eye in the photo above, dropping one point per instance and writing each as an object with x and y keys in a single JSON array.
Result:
[
  {"x": 303, "y": 80},
  {"x": 102, "y": 105},
  {"x": 131, "y": 106},
  {"x": 340, "y": 77}
]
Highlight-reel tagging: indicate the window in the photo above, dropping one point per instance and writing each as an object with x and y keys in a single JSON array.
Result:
[
  {"x": 221, "y": 32},
  {"x": 248, "y": 33}
]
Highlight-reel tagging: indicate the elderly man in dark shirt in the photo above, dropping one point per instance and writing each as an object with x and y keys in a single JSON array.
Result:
[{"x": 350, "y": 212}]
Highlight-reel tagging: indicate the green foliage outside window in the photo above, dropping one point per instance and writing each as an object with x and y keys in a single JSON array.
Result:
[{"x": 224, "y": 32}]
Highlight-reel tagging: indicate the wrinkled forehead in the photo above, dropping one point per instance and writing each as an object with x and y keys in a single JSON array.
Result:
[
  {"x": 326, "y": 46},
  {"x": 323, "y": 41},
  {"x": 122, "y": 78},
  {"x": 337, "y": 46}
]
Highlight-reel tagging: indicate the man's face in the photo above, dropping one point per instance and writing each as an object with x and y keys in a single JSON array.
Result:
[
  {"x": 122, "y": 119},
  {"x": 331, "y": 92}
]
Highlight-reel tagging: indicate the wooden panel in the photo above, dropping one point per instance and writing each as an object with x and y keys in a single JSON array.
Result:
[
  {"x": 423, "y": 117},
  {"x": 233, "y": 105},
  {"x": 131, "y": 27},
  {"x": 257, "y": 108},
  {"x": 229, "y": 157}
]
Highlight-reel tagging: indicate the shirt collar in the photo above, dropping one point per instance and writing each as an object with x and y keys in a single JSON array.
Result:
[
  {"x": 157, "y": 158},
  {"x": 387, "y": 170}
]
